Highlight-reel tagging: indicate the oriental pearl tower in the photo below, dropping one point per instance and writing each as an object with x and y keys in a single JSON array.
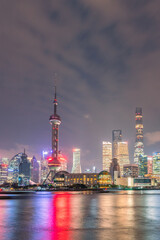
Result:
[{"x": 53, "y": 161}]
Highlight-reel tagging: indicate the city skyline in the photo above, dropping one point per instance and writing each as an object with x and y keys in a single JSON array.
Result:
[{"x": 106, "y": 57}]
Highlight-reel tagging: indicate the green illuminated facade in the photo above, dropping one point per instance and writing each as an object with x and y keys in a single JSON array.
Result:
[
  {"x": 143, "y": 165},
  {"x": 156, "y": 163}
]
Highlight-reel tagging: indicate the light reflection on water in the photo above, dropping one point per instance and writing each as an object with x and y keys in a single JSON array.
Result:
[{"x": 68, "y": 216}]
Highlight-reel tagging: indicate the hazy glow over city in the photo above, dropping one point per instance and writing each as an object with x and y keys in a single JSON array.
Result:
[{"x": 105, "y": 55}]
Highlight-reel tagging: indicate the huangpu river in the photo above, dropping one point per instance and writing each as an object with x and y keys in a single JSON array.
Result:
[{"x": 121, "y": 215}]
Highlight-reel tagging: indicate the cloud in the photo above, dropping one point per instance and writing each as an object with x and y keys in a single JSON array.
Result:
[
  {"x": 152, "y": 137},
  {"x": 107, "y": 56}
]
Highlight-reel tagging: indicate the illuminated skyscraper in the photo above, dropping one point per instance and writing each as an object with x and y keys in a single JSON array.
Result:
[
  {"x": 106, "y": 155},
  {"x": 156, "y": 163},
  {"x": 44, "y": 166},
  {"x": 76, "y": 161},
  {"x": 3, "y": 172},
  {"x": 39, "y": 162},
  {"x": 143, "y": 165},
  {"x": 122, "y": 155},
  {"x": 35, "y": 170},
  {"x": 139, "y": 146},
  {"x": 116, "y": 137},
  {"x": 13, "y": 168},
  {"x": 114, "y": 169},
  {"x": 94, "y": 169},
  {"x": 24, "y": 170},
  {"x": 150, "y": 164}
]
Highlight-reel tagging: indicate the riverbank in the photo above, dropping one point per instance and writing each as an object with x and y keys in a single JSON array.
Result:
[{"x": 109, "y": 190}]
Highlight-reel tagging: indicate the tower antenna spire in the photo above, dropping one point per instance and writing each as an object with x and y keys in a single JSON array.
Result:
[
  {"x": 55, "y": 101},
  {"x": 55, "y": 93}
]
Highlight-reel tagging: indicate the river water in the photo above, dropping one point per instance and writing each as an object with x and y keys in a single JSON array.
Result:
[{"x": 123, "y": 215}]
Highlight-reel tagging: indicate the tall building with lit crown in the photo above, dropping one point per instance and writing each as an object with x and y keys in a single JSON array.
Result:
[
  {"x": 76, "y": 161},
  {"x": 122, "y": 155},
  {"x": 156, "y": 163},
  {"x": 139, "y": 146},
  {"x": 116, "y": 138},
  {"x": 106, "y": 155}
]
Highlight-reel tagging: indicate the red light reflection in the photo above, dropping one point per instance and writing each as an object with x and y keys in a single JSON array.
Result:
[{"x": 61, "y": 217}]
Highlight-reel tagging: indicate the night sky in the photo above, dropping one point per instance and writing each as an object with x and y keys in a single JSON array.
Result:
[{"x": 106, "y": 55}]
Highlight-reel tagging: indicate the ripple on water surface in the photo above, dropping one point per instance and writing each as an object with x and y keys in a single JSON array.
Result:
[{"x": 65, "y": 216}]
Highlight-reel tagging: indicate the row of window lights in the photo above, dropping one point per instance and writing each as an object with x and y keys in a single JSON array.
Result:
[
  {"x": 84, "y": 176},
  {"x": 88, "y": 179}
]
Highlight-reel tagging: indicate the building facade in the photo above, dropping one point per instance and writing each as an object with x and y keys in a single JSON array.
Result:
[
  {"x": 104, "y": 179},
  {"x": 3, "y": 173},
  {"x": 143, "y": 165},
  {"x": 156, "y": 163},
  {"x": 116, "y": 138},
  {"x": 13, "y": 168},
  {"x": 24, "y": 171},
  {"x": 150, "y": 164},
  {"x": 35, "y": 170},
  {"x": 139, "y": 146},
  {"x": 130, "y": 170},
  {"x": 44, "y": 170},
  {"x": 91, "y": 180},
  {"x": 4, "y": 161},
  {"x": 88, "y": 179},
  {"x": 143, "y": 182},
  {"x": 122, "y": 155},
  {"x": 114, "y": 169},
  {"x": 76, "y": 161},
  {"x": 106, "y": 155},
  {"x": 3, "y": 170},
  {"x": 136, "y": 182}
]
